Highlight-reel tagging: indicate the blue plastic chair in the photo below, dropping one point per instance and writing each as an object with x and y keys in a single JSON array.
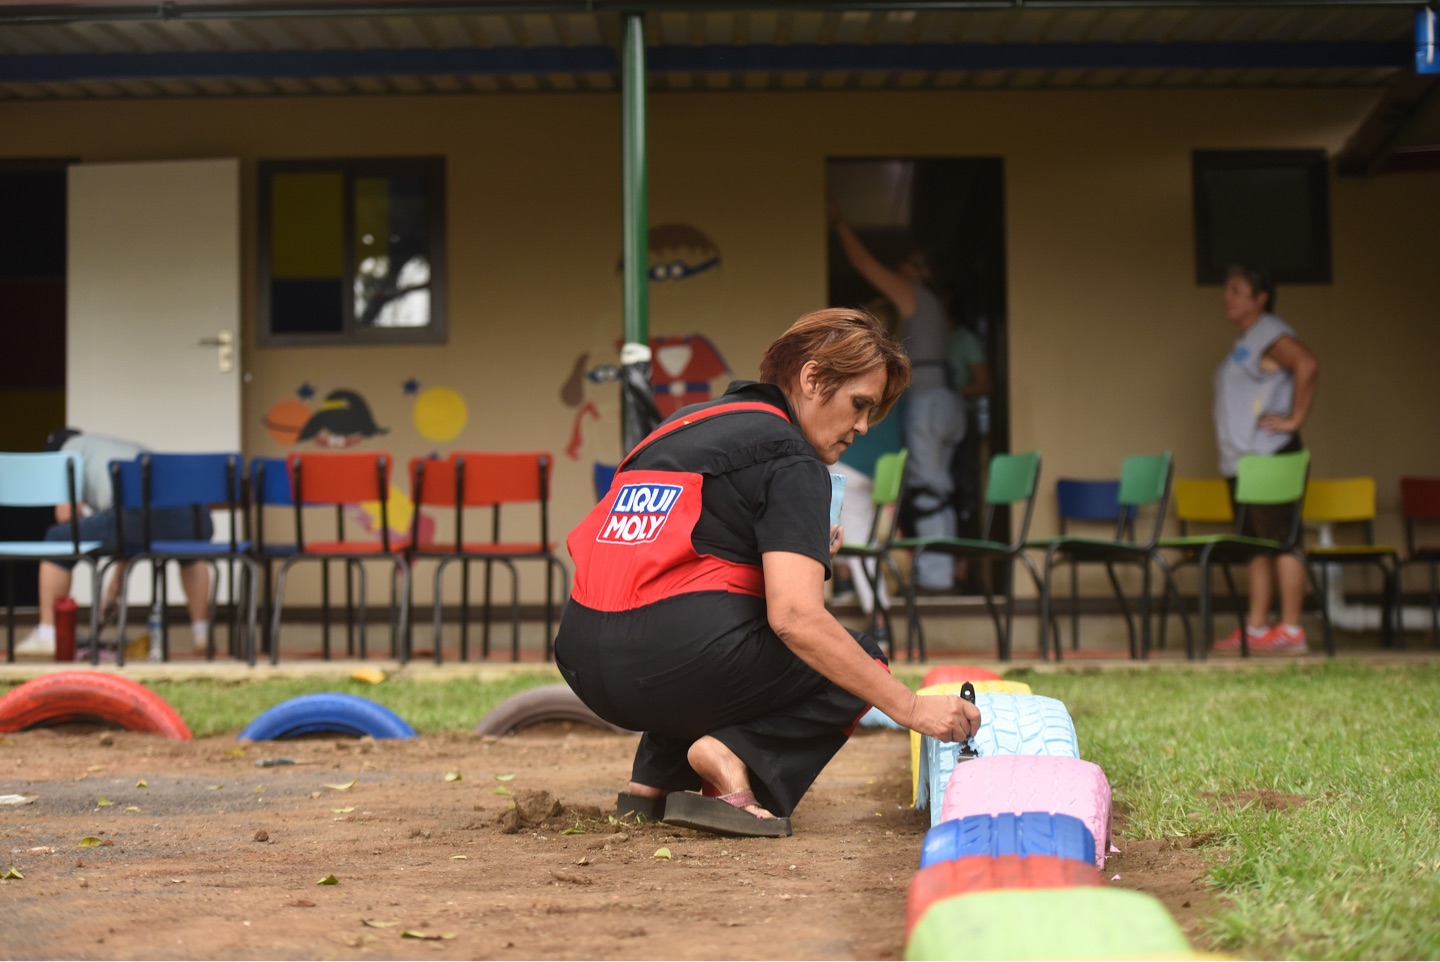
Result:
[
  {"x": 199, "y": 482},
  {"x": 45, "y": 480},
  {"x": 270, "y": 488}
]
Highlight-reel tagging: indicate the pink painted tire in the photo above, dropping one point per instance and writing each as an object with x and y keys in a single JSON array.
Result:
[
  {"x": 1033, "y": 783},
  {"x": 981, "y": 873},
  {"x": 942, "y": 674}
]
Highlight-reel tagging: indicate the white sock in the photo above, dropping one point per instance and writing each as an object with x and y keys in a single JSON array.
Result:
[
  {"x": 45, "y": 632},
  {"x": 201, "y": 631}
]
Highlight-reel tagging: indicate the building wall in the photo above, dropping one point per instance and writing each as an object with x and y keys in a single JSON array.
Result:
[{"x": 1111, "y": 342}]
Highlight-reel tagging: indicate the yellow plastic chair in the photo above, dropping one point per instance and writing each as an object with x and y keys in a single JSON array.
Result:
[
  {"x": 1201, "y": 504},
  {"x": 1346, "y": 504}
]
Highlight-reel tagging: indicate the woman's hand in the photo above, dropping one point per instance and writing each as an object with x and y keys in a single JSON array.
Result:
[
  {"x": 946, "y": 717},
  {"x": 1278, "y": 423}
]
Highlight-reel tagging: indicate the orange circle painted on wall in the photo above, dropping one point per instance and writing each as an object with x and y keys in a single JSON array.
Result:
[{"x": 286, "y": 419}]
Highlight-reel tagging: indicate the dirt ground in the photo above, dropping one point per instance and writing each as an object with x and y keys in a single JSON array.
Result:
[{"x": 195, "y": 852}]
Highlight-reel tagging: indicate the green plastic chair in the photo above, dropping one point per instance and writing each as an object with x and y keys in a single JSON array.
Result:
[
  {"x": 1013, "y": 479},
  {"x": 1144, "y": 489},
  {"x": 1261, "y": 479},
  {"x": 885, "y": 493}
]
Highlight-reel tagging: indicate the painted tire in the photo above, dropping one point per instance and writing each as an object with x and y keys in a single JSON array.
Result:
[
  {"x": 1013, "y": 833},
  {"x": 79, "y": 696},
  {"x": 1084, "y": 922},
  {"x": 981, "y": 873},
  {"x": 327, "y": 711},
  {"x": 941, "y": 674},
  {"x": 544, "y": 704},
  {"x": 1011, "y": 725},
  {"x": 1029, "y": 783}
]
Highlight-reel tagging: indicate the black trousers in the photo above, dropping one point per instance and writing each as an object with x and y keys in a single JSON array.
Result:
[{"x": 709, "y": 664}]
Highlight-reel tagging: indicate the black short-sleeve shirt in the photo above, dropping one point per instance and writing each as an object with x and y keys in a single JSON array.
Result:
[{"x": 765, "y": 489}]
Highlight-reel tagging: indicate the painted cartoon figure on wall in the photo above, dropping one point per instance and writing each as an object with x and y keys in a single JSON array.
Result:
[
  {"x": 342, "y": 420},
  {"x": 684, "y": 369}
]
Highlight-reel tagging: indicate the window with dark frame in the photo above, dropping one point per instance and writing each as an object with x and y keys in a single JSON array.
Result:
[
  {"x": 1268, "y": 208},
  {"x": 352, "y": 251}
]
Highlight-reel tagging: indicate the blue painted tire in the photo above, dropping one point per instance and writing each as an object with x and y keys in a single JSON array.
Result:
[
  {"x": 1012, "y": 833},
  {"x": 326, "y": 712}
]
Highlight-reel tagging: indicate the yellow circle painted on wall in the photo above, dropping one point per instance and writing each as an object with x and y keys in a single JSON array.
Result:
[{"x": 440, "y": 414}]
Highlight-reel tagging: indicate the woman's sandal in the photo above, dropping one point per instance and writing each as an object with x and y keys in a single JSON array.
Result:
[
  {"x": 639, "y": 808},
  {"x": 723, "y": 815}
]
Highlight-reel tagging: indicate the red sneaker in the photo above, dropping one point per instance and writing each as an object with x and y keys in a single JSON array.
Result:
[
  {"x": 1281, "y": 640},
  {"x": 1231, "y": 642}
]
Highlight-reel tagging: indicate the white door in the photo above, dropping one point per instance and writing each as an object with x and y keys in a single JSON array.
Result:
[{"x": 153, "y": 305}]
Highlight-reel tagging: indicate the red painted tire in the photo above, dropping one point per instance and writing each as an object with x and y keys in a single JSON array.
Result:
[
  {"x": 89, "y": 696},
  {"x": 943, "y": 674},
  {"x": 980, "y": 873}
]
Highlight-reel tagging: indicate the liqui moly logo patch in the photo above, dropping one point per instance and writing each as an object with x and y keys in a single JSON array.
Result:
[{"x": 638, "y": 514}]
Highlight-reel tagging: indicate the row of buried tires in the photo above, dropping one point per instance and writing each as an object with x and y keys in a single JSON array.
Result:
[
  {"x": 1010, "y": 867},
  {"x": 99, "y": 697},
  {"x": 1020, "y": 829}
]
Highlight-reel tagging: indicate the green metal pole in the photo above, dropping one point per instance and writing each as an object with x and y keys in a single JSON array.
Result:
[{"x": 636, "y": 223}]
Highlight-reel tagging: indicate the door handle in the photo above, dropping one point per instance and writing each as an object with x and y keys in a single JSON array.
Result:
[{"x": 224, "y": 344}]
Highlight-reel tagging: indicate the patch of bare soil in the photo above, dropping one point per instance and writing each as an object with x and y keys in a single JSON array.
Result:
[{"x": 213, "y": 857}]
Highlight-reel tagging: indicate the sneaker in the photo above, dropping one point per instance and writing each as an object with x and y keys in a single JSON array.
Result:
[
  {"x": 1231, "y": 642},
  {"x": 37, "y": 646},
  {"x": 1281, "y": 640}
]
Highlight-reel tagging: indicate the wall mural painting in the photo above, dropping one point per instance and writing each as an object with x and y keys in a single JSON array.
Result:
[
  {"x": 684, "y": 367},
  {"x": 343, "y": 420},
  {"x": 440, "y": 413}
]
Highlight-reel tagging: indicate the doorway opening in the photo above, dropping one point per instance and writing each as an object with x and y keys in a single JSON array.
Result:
[
  {"x": 32, "y": 328},
  {"x": 952, "y": 208}
]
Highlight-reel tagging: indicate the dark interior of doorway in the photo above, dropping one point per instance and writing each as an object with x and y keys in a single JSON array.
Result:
[
  {"x": 32, "y": 328},
  {"x": 953, "y": 208}
]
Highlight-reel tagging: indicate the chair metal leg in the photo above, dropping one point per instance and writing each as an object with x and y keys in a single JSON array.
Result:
[
  {"x": 439, "y": 612},
  {"x": 465, "y": 615},
  {"x": 1046, "y": 589},
  {"x": 1207, "y": 629},
  {"x": 1124, "y": 608},
  {"x": 278, "y": 607},
  {"x": 358, "y": 569}
]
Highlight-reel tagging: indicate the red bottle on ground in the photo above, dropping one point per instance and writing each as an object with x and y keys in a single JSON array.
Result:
[{"x": 65, "y": 629}]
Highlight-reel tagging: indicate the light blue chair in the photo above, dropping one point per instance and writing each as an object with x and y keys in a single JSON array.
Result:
[{"x": 46, "y": 480}]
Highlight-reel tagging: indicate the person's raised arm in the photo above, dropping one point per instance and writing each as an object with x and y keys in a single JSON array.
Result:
[
  {"x": 896, "y": 288},
  {"x": 1296, "y": 358},
  {"x": 981, "y": 384},
  {"x": 794, "y": 598}
]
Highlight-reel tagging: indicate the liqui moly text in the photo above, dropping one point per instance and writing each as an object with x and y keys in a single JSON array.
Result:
[{"x": 638, "y": 514}]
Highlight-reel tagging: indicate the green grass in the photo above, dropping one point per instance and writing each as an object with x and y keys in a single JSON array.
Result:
[
  {"x": 1354, "y": 871},
  {"x": 452, "y": 704}
]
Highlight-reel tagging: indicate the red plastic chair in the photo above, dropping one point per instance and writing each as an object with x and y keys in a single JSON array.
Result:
[
  {"x": 497, "y": 483},
  {"x": 343, "y": 480},
  {"x": 1420, "y": 506}
]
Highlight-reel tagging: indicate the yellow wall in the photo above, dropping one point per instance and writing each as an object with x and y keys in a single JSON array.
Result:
[{"x": 1111, "y": 342}]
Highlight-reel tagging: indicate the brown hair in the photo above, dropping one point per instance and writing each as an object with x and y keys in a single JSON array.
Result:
[{"x": 845, "y": 343}]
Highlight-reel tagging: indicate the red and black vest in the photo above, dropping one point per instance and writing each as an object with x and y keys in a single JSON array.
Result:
[{"x": 635, "y": 547}]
